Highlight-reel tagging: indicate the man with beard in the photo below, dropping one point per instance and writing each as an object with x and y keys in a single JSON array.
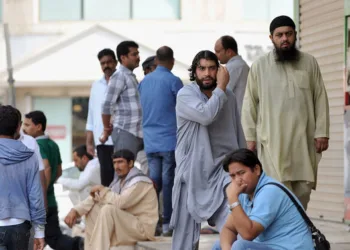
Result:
[
  {"x": 208, "y": 127},
  {"x": 94, "y": 125},
  {"x": 285, "y": 113},
  {"x": 79, "y": 189}
]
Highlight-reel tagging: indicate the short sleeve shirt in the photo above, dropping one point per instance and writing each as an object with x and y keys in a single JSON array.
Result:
[
  {"x": 49, "y": 150},
  {"x": 284, "y": 228}
]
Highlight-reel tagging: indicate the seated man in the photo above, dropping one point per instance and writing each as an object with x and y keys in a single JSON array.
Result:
[
  {"x": 122, "y": 214},
  {"x": 89, "y": 176},
  {"x": 262, "y": 220}
]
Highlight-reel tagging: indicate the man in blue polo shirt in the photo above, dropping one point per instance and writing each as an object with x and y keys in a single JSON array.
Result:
[
  {"x": 158, "y": 92},
  {"x": 262, "y": 220}
]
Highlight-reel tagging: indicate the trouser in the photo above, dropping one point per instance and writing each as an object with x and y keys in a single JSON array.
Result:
[
  {"x": 187, "y": 230},
  {"x": 107, "y": 225},
  {"x": 104, "y": 154},
  {"x": 142, "y": 160},
  {"x": 53, "y": 234},
  {"x": 162, "y": 172},
  {"x": 125, "y": 140},
  {"x": 301, "y": 189},
  {"x": 15, "y": 237},
  {"x": 243, "y": 245}
]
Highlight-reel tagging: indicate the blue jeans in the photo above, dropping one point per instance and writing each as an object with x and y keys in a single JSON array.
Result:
[
  {"x": 15, "y": 237},
  {"x": 162, "y": 172},
  {"x": 243, "y": 245}
]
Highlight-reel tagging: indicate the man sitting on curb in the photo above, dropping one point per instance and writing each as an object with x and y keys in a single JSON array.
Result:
[
  {"x": 122, "y": 214},
  {"x": 79, "y": 189},
  {"x": 263, "y": 219}
]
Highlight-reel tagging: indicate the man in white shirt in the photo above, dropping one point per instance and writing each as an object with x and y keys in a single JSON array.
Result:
[
  {"x": 94, "y": 125},
  {"x": 89, "y": 176}
]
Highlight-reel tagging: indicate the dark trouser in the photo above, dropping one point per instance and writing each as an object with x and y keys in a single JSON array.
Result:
[
  {"x": 125, "y": 140},
  {"x": 104, "y": 154},
  {"x": 161, "y": 167},
  {"x": 15, "y": 237},
  {"x": 53, "y": 234}
]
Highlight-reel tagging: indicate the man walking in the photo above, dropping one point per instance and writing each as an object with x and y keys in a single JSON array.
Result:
[
  {"x": 122, "y": 100},
  {"x": 21, "y": 195},
  {"x": 285, "y": 112},
  {"x": 158, "y": 92},
  {"x": 208, "y": 127},
  {"x": 94, "y": 125},
  {"x": 227, "y": 52},
  {"x": 35, "y": 125}
]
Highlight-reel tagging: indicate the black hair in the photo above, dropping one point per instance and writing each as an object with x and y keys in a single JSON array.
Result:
[
  {"x": 81, "y": 151},
  {"x": 106, "y": 52},
  {"x": 204, "y": 54},
  {"x": 243, "y": 156},
  {"x": 9, "y": 120},
  {"x": 19, "y": 115},
  {"x": 165, "y": 54},
  {"x": 123, "y": 48},
  {"x": 37, "y": 117},
  {"x": 228, "y": 42},
  {"x": 124, "y": 153}
]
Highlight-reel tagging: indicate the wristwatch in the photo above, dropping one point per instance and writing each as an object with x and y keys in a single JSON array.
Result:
[{"x": 233, "y": 205}]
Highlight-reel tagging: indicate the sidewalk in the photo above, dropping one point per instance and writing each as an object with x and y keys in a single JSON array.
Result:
[{"x": 336, "y": 233}]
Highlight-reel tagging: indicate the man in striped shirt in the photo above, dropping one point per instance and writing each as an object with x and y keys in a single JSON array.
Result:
[{"x": 123, "y": 102}]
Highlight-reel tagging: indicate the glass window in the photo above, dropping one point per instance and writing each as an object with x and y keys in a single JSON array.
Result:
[
  {"x": 266, "y": 10},
  {"x": 255, "y": 10},
  {"x": 60, "y": 10},
  {"x": 106, "y": 9},
  {"x": 281, "y": 7},
  {"x": 70, "y": 10},
  {"x": 156, "y": 9}
]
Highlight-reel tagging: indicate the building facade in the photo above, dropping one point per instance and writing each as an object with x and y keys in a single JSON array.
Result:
[
  {"x": 323, "y": 33},
  {"x": 54, "y": 46}
]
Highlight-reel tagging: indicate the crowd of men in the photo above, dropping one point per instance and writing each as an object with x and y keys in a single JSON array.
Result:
[{"x": 209, "y": 148}]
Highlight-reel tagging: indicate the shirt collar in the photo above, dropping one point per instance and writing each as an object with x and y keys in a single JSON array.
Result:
[
  {"x": 125, "y": 69},
  {"x": 162, "y": 68},
  {"x": 103, "y": 80},
  {"x": 262, "y": 180},
  {"x": 237, "y": 57},
  {"x": 42, "y": 137}
]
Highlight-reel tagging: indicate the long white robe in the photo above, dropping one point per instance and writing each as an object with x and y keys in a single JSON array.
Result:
[{"x": 285, "y": 108}]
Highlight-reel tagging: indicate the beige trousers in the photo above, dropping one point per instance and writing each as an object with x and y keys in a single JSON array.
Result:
[
  {"x": 301, "y": 189},
  {"x": 107, "y": 225}
]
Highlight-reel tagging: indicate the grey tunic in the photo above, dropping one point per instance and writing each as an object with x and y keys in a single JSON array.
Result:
[
  {"x": 207, "y": 130},
  {"x": 238, "y": 70}
]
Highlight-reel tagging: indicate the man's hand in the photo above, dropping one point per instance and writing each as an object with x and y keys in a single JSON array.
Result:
[
  {"x": 106, "y": 133},
  {"x": 96, "y": 189},
  {"x": 39, "y": 244},
  {"x": 233, "y": 190},
  {"x": 222, "y": 77},
  {"x": 90, "y": 149},
  {"x": 251, "y": 145},
  {"x": 71, "y": 218},
  {"x": 321, "y": 144}
]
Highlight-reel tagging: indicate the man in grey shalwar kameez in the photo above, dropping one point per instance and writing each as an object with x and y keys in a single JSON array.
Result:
[{"x": 208, "y": 128}]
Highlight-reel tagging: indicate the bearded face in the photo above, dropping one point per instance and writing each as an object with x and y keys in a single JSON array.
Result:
[{"x": 284, "y": 40}]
